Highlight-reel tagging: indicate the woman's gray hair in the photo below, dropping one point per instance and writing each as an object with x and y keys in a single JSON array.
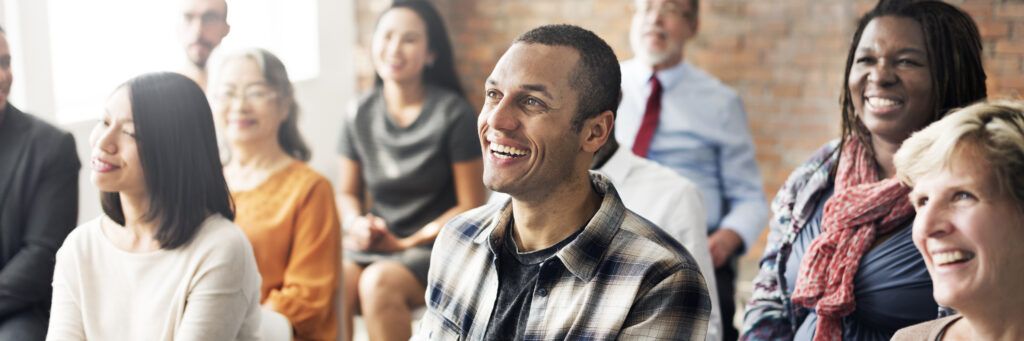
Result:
[{"x": 276, "y": 76}]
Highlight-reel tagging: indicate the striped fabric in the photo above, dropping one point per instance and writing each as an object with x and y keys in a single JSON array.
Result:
[{"x": 623, "y": 277}]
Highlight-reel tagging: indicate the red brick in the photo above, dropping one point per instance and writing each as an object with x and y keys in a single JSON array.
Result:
[
  {"x": 978, "y": 11},
  {"x": 1014, "y": 81},
  {"x": 724, "y": 43},
  {"x": 993, "y": 29},
  {"x": 1008, "y": 93},
  {"x": 1010, "y": 47},
  {"x": 762, "y": 9},
  {"x": 1010, "y": 10},
  {"x": 1003, "y": 65},
  {"x": 1018, "y": 29}
]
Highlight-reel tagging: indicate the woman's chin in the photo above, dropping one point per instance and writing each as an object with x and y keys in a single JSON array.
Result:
[
  {"x": 243, "y": 136},
  {"x": 953, "y": 297}
]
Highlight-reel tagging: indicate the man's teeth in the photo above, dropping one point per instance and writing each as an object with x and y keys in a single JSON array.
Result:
[
  {"x": 949, "y": 257},
  {"x": 506, "y": 152},
  {"x": 879, "y": 102}
]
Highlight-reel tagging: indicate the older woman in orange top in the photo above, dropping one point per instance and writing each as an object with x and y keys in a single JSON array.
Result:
[{"x": 285, "y": 208}]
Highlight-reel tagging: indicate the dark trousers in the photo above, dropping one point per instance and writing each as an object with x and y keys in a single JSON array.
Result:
[
  {"x": 725, "y": 276},
  {"x": 28, "y": 325}
]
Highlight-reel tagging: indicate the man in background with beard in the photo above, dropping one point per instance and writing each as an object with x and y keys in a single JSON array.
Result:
[
  {"x": 683, "y": 118},
  {"x": 203, "y": 25}
]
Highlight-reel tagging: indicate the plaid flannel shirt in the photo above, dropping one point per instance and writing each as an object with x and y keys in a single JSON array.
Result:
[{"x": 623, "y": 277}]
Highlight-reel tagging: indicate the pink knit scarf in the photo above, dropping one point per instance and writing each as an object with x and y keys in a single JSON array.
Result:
[{"x": 861, "y": 208}]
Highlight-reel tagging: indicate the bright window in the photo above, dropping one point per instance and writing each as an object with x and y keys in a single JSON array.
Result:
[{"x": 98, "y": 44}]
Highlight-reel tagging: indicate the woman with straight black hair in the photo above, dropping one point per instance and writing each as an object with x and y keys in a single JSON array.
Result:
[
  {"x": 411, "y": 145},
  {"x": 164, "y": 262},
  {"x": 840, "y": 261}
]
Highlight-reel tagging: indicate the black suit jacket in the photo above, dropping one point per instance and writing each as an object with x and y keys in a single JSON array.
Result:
[{"x": 38, "y": 207}]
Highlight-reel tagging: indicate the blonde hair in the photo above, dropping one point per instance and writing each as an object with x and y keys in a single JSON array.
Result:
[{"x": 992, "y": 132}]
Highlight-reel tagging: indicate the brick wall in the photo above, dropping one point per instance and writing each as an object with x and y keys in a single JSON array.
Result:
[{"x": 784, "y": 57}]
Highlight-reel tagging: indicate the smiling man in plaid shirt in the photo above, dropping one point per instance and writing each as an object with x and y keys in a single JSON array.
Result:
[{"x": 563, "y": 258}]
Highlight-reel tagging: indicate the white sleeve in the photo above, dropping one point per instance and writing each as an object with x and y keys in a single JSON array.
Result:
[
  {"x": 223, "y": 300},
  {"x": 65, "y": 313}
]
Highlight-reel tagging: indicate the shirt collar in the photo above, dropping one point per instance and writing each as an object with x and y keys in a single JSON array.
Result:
[
  {"x": 581, "y": 256},
  {"x": 668, "y": 77},
  {"x": 617, "y": 167}
]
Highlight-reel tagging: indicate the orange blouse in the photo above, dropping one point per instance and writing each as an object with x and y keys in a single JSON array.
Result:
[{"x": 292, "y": 222}]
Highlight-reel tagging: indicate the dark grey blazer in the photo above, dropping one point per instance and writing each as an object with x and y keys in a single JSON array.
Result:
[{"x": 38, "y": 207}]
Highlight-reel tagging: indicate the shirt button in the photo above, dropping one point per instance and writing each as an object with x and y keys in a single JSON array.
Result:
[{"x": 542, "y": 292}]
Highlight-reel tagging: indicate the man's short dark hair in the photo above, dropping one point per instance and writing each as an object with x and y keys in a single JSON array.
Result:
[
  {"x": 596, "y": 77},
  {"x": 180, "y": 161}
]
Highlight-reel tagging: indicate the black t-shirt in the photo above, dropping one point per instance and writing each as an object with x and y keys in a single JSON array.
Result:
[{"x": 517, "y": 278}]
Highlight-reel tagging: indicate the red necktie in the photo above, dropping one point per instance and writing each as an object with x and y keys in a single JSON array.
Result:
[{"x": 650, "y": 123}]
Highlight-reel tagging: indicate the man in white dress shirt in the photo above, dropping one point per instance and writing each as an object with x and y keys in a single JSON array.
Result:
[{"x": 685, "y": 119}]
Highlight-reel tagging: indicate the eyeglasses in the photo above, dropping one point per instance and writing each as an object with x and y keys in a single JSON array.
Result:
[
  {"x": 205, "y": 18},
  {"x": 667, "y": 8},
  {"x": 250, "y": 94}
]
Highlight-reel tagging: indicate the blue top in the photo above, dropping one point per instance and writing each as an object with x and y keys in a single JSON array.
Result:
[
  {"x": 702, "y": 134},
  {"x": 892, "y": 287}
]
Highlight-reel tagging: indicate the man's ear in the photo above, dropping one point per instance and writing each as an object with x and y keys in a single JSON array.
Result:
[{"x": 596, "y": 131}]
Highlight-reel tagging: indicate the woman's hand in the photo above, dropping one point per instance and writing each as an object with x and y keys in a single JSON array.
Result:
[
  {"x": 388, "y": 242},
  {"x": 365, "y": 232}
]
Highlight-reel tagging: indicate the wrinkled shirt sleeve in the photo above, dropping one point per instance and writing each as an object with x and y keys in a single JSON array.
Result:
[{"x": 742, "y": 189}]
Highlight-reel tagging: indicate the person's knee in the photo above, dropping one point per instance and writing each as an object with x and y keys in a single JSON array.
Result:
[
  {"x": 377, "y": 276},
  {"x": 381, "y": 283}
]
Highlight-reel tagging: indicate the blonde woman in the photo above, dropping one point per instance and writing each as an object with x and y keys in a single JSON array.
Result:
[{"x": 969, "y": 196}]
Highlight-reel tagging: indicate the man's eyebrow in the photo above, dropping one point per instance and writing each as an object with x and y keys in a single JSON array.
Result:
[
  {"x": 541, "y": 88},
  {"x": 538, "y": 88}
]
